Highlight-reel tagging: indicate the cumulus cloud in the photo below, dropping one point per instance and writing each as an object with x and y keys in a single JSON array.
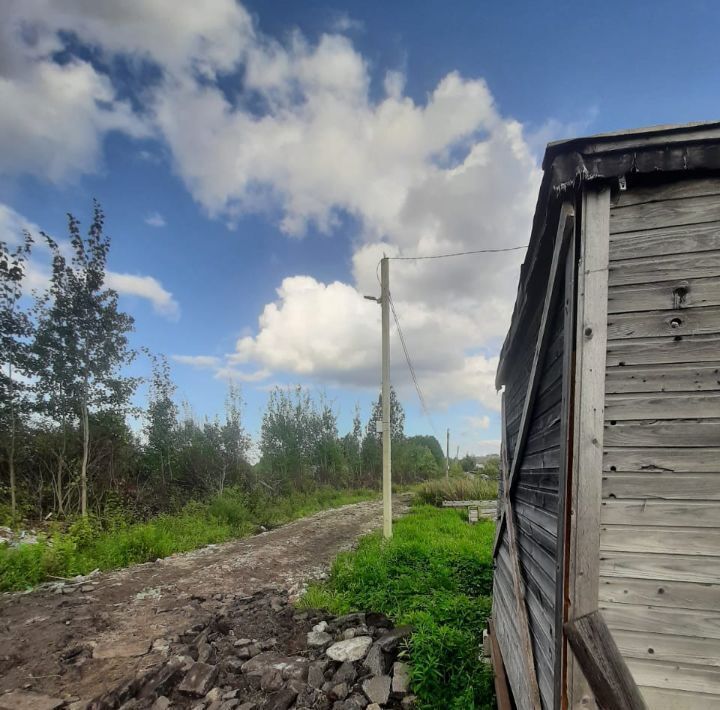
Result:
[
  {"x": 146, "y": 287},
  {"x": 155, "y": 219},
  {"x": 301, "y": 138},
  {"x": 200, "y": 361}
]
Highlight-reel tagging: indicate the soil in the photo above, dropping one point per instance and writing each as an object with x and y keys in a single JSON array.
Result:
[{"x": 78, "y": 641}]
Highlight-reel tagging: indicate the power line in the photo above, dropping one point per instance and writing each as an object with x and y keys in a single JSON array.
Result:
[
  {"x": 457, "y": 253},
  {"x": 423, "y": 404}
]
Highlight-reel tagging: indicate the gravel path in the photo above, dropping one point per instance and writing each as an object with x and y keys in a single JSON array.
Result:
[{"x": 74, "y": 645}]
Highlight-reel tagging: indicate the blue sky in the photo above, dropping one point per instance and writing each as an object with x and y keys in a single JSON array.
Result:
[{"x": 255, "y": 160}]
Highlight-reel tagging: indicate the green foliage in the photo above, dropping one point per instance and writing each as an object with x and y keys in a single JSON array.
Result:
[
  {"x": 435, "y": 574},
  {"x": 461, "y": 488},
  {"x": 491, "y": 467},
  {"x": 87, "y": 545}
]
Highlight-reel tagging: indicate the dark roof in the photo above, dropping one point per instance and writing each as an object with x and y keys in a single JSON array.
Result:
[{"x": 568, "y": 164}]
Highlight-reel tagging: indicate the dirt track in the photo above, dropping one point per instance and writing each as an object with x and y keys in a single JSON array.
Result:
[{"x": 76, "y": 645}]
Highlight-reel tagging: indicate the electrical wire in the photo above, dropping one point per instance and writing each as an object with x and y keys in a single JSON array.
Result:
[{"x": 457, "y": 253}]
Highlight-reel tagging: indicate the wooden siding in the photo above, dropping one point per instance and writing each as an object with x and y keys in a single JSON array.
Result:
[
  {"x": 660, "y": 516},
  {"x": 535, "y": 502}
]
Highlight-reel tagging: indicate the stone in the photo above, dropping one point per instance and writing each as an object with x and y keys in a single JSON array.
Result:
[
  {"x": 390, "y": 641},
  {"x": 267, "y": 644},
  {"x": 322, "y": 626},
  {"x": 345, "y": 674},
  {"x": 213, "y": 695},
  {"x": 199, "y": 679},
  {"x": 296, "y": 669},
  {"x": 349, "y": 620},
  {"x": 373, "y": 706},
  {"x": 409, "y": 701},
  {"x": 318, "y": 638},
  {"x": 289, "y": 666},
  {"x": 247, "y": 706},
  {"x": 231, "y": 704},
  {"x": 128, "y": 648},
  {"x": 348, "y": 634},
  {"x": 339, "y": 691},
  {"x": 377, "y": 689},
  {"x": 353, "y": 649},
  {"x": 281, "y": 700},
  {"x": 162, "y": 703},
  {"x": 400, "y": 678},
  {"x": 316, "y": 673},
  {"x": 379, "y": 621},
  {"x": 20, "y": 700},
  {"x": 271, "y": 680},
  {"x": 242, "y": 642},
  {"x": 355, "y": 702},
  {"x": 206, "y": 653},
  {"x": 376, "y": 662}
]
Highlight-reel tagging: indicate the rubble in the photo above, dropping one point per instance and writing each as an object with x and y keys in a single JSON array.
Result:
[{"x": 218, "y": 666}]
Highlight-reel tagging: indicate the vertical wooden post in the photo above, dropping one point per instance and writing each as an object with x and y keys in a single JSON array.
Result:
[
  {"x": 589, "y": 407},
  {"x": 386, "y": 424}
]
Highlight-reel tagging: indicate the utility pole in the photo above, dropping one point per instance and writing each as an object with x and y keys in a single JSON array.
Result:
[
  {"x": 447, "y": 456},
  {"x": 387, "y": 474}
]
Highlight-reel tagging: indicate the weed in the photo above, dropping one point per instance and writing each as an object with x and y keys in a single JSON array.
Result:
[{"x": 435, "y": 492}]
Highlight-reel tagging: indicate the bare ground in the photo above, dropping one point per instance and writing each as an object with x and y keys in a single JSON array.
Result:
[{"x": 124, "y": 612}]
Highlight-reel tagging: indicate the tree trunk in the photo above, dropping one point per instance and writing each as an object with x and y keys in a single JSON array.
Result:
[{"x": 85, "y": 455}]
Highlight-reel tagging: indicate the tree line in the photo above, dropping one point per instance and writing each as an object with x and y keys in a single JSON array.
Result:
[{"x": 66, "y": 399}]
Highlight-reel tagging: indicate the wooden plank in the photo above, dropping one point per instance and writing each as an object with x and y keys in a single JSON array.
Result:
[
  {"x": 588, "y": 407},
  {"x": 671, "y": 267},
  {"x": 669, "y": 191},
  {"x": 489, "y": 504},
  {"x": 565, "y": 225},
  {"x": 663, "y": 378},
  {"x": 672, "y": 594},
  {"x": 664, "y": 540},
  {"x": 667, "y": 647},
  {"x": 668, "y": 460},
  {"x": 602, "y": 664},
  {"x": 502, "y": 689},
  {"x": 700, "y": 514},
  {"x": 662, "y": 485},
  {"x": 676, "y": 676},
  {"x": 662, "y": 405},
  {"x": 680, "y": 568},
  {"x": 664, "y": 295},
  {"x": 667, "y": 699},
  {"x": 651, "y": 215},
  {"x": 663, "y": 432},
  {"x": 656, "y": 351},
  {"x": 526, "y": 648},
  {"x": 682, "y": 622},
  {"x": 665, "y": 240},
  {"x": 652, "y": 324}
]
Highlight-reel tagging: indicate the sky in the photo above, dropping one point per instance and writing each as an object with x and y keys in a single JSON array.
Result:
[{"x": 255, "y": 160}]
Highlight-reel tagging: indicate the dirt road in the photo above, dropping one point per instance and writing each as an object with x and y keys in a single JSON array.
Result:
[{"x": 76, "y": 644}]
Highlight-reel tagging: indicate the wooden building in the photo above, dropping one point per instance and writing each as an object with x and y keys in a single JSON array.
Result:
[{"x": 611, "y": 422}]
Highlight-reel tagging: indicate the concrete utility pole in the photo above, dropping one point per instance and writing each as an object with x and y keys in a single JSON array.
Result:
[
  {"x": 447, "y": 456},
  {"x": 387, "y": 474}
]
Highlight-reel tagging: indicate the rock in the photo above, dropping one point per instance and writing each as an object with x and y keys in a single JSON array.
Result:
[
  {"x": 271, "y": 680},
  {"x": 162, "y": 703},
  {"x": 339, "y": 691},
  {"x": 213, "y": 695},
  {"x": 351, "y": 650},
  {"x": 318, "y": 638},
  {"x": 128, "y": 648},
  {"x": 267, "y": 644},
  {"x": 377, "y": 689},
  {"x": 355, "y": 702},
  {"x": 248, "y": 706},
  {"x": 281, "y": 700},
  {"x": 231, "y": 704},
  {"x": 322, "y": 626},
  {"x": 242, "y": 642},
  {"x": 244, "y": 652},
  {"x": 408, "y": 702},
  {"x": 349, "y": 620},
  {"x": 373, "y": 706},
  {"x": 379, "y": 621},
  {"x": 296, "y": 669},
  {"x": 348, "y": 634},
  {"x": 316, "y": 673},
  {"x": 391, "y": 640},
  {"x": 345, "y": 674},
  {"x": 376, "y": 662},
  {"x": 20, "y": 700},
  {"x": 206, "y": 653},
  {"x": 199, "y": 679},
  {"x": 400, "y": 678}
]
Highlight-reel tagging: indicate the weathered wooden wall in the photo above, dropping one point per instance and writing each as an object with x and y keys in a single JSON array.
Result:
[
  {"x": 660, "y": 517},
  {"x": 535, "y": 505}
]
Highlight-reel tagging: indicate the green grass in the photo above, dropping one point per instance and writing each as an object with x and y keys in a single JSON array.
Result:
[
  {"x": 86, "y": 546},
  {"x": 435, "y": 574},
  {"x": 460, "y": 488}
]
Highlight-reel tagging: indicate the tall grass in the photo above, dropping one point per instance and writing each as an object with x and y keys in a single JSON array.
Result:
[
  {"x": 86, "y": 545},
  {"x": 435, "y": 574},
  {"x": 435, "y": 492}
]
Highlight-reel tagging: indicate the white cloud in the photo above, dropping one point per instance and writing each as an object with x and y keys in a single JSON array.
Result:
[
  {"x": 148, "y": 288},
  {"x": 200, "y": 361},
  {"x": 478, "y": 422},
  {"x": 155, "y": 219},
  {"x": 303, "y": 140}
]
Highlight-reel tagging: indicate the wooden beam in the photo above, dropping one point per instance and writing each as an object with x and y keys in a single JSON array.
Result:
[
  {"x": 502, "y": 689},
  {"x": 523, "y": 623},
  {"x": 602, "y": 664},
  {"x": 588, "y": 407},
  {"x": 564, "y": 477},
  {"x": 565, "y": 225}
]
